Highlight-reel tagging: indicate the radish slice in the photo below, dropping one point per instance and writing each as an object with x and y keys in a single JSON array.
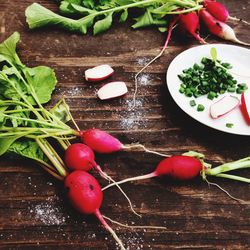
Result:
[
  {"x": 98, "y": 73},
  {"x": 223, "y": 106},
  {"x": 112, "y": 90},
  {"x": 245, "y": 105}
]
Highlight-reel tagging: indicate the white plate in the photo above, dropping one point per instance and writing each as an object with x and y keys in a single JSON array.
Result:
[{"x": 238, "y": 57}]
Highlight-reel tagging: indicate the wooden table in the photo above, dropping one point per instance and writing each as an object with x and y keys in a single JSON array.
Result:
[{"x": 34, "y": 213}]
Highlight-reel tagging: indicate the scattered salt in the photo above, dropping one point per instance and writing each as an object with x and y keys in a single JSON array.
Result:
[
  {"x": 48, "y": 213},
  {"x": 144, "y": 79}
]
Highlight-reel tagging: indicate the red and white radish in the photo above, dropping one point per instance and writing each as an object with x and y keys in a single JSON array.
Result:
[
  {"x": 81, "y": 157},
  {"x": 219, "y": 28},
  {"x": 98, "y": 73},
  {"x": 179, "y": 167},
  {"x": 85, "y": 194},
  {"x": 245, "y": 105},
  {"x": 112, "y": 90},
  {"x": 104, "y": 143},
  {"x": 189, "y": 22},
  {"x": 223, "y": 106}
]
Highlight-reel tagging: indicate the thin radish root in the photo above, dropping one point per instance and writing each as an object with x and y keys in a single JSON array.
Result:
[
  {"x": 138, "y": 145},
  {"x": 231, "y": 18},
  {"x": 132, "y": 227},
  {"x": 107, "y": 177},
  {"x": 170, "y": 29},
  {"x": 226, "y": 192},
  {"x": 136, "y": 178},
  {"x": 108, "y": 228}
]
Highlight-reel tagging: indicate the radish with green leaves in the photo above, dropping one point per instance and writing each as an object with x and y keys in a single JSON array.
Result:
[{"x": 85, "y": 194}]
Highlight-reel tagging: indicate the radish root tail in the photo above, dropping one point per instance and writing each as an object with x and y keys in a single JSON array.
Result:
[
  {"x": 145, "y": 149},
  {"x": 108, "y": 228},
  {"x": 132, "y": 227},
  {"x": 107, "y": 177},
  {"x": 169, "y": 32},
  {"x": 226, "y": 192},
  {"x": 233, "y": 18}
]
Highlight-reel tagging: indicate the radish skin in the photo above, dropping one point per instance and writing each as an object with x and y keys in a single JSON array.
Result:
[
  {"x": 98, "y": 73},
  {"x": 81, "y": 157},
  {"x": 179, "y": 167},
  {"x": 85, "y": 194},
  {"x": 219, "y": 28},
  {"x": 223, "y": 106},
  {"x": 217, "y": 10},
  {"x": 245, "y": 105},
  {"x": 104, "y": 143},
  {"x": 189, "y": 22}
]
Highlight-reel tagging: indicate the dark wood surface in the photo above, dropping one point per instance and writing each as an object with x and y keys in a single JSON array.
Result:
[{"x": 34, "y": 213}]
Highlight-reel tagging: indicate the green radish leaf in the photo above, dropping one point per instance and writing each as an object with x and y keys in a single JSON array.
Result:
[
  {"x": 61, "y": 111},
  {"x": 162, "y": 29},
  {"x": 89, "y": 3},
  {"x": 124, "y": 16},
  {"x": 213, "y": 53},
  {"x": 71, "y": 8},
  {"x": 43, "y": 80},
  {"x": 8, "y": 49},
  {"x": 5, "y": 143},
  {"x": 104, "y": 24},
  {"x": 27, "y": 148},
  {"x": 38, "y": 16}
]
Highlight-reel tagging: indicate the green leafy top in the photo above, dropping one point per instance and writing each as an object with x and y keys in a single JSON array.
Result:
[{"x": 99, "y": 14}]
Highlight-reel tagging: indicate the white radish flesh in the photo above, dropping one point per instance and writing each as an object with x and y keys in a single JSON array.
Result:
[
  {"x": 98, "y": 73},
  {"x": 112, "y": 90},
  {"x": 223, "y": 106}
]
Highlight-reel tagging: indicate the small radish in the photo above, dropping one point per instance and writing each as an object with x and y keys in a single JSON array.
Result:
[
  {"x": 104, "y": 143},
  {"x": 220, "y": 12},
  {"x": 217, "y": 10},
  {"x": 81, "y": 157},
  {"x": 219, "y": 28},
  {"x": 112, "y": 90},
  {"x": 85, "y": 194},
  {"x": 189, "y": 22},
  {"x": 179, "y": 167},
  {"x": 223, "y": 106},
  {"x": 245, "y": 105},
  {"x": 98, "y": 73}
]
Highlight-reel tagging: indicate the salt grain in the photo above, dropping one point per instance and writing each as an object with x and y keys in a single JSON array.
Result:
[{"x": 48, "y": 213}]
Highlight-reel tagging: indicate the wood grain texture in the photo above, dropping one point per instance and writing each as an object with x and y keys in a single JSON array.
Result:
[{"x": 34, "y": 213}]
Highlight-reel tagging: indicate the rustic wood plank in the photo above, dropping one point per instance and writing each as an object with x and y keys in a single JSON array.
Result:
[{"x": 34, "y": 212}]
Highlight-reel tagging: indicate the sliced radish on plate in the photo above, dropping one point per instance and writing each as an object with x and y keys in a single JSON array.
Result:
[
  {"x": 245, "y": 105},
  {"x": 223, "y": 106},
  {"x": 112, "y": 90},
  {"x": 98, "y": 73}
]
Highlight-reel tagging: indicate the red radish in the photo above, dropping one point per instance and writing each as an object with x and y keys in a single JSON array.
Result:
[
  {"x": 81, "y": 157},
  {"x": 112, "y": 90},
  {"x": 245, "y": 105},
  {"x": 179, "y": 167},
  {"x": 104, "y": 143},
  {"x": 98, "y": 73},
  {"x": 189, "y": 22},
  {"x": 223, "y": 106},
  {"x": 218, "y": 10},
  {"x": 85, "y": 194},
  {"x": 218, "y": 28}
]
